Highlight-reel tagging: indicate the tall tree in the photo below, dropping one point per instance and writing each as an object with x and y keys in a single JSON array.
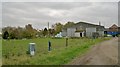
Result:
[
  {"x": 45, "y": 32},
  {"x": 20, "y": 32},
  {"x": 29, "y": 27},
  {"x": 57, "y": 27},
  {"x": 5, "y": 35},
  {"x": 12, "y": 35},
  {"x": 52, "y": 32},
  {"x": 31, "y": 33},
  {"x": 69, "y": 24}
]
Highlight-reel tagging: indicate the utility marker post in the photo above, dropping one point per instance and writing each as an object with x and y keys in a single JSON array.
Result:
[
  {"x": 48, "y": 30},
  {"x": 31, "y": 49},
  {"x": 66, "y": 41},
  {"x": 49, "y": 46}
]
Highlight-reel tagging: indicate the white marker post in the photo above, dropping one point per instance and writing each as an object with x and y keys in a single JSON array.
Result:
[{"x": 32, "y": 49}]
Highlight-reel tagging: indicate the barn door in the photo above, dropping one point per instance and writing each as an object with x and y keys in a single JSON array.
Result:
[{"x": 80, "y": 34}]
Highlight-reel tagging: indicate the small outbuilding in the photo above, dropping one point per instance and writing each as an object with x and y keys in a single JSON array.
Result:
[{"x": 113, "y": 30}]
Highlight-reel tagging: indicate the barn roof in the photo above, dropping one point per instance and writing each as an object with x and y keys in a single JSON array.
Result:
[
  {"x": 79, "y": 23},
  {"x": 114, "y": 26},
  {"x": 87, "y": 23}
]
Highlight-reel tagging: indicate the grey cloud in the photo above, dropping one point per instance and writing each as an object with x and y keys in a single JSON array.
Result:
[
  {"x": 40, "y": 13},
  {"x": 60, "y": 0},
  {"x": 0, "y": 15}
]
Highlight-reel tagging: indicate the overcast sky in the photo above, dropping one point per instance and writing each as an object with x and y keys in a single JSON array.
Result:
[{"x": 40, "y": 13}]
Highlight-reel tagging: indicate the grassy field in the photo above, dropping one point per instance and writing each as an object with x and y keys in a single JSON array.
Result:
[
  {"x": 0, "y": 48},
  {"x": 14, "y": 51}
]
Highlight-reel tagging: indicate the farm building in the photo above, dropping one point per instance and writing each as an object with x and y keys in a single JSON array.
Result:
[
  {"x": 113, "y": 30},
  {"x": 82, "y": 29}
]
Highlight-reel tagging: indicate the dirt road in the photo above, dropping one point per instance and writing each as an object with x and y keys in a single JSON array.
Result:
[{"x": 105, "y": 53}]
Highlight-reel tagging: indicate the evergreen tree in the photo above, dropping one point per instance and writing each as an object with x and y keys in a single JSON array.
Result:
[{"x": 5, "y": 35}]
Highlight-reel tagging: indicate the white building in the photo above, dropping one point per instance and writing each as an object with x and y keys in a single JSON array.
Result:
[
  {"x": 71, "y": 32},
  {"x": 82, "y": 29}
]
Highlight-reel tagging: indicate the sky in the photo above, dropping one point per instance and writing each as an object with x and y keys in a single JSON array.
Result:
[{"x": 40, "y": 13}]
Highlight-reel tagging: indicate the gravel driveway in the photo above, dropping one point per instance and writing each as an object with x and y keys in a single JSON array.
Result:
[{"x": 104, "y": 53}]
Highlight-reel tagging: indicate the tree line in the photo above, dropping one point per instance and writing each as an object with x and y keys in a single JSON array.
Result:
[{"x": 29, "y": 32}]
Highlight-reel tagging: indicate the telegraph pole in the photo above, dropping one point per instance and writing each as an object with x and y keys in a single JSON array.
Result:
[
  {"x": 99, "y": 23},
  {"x": 66, "y": 41},
  {"x": 48, "y": 30}
]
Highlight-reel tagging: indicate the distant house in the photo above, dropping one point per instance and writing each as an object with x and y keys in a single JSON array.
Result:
[
  {"x": 82, "y": 29},
  {"x": 113, "y": 30}
]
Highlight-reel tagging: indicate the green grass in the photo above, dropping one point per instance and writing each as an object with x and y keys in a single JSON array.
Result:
[
  {"x": 0, "y": 48},
  {"x": 14, "y": 51},
  {"x": 0, "y": 52}
]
